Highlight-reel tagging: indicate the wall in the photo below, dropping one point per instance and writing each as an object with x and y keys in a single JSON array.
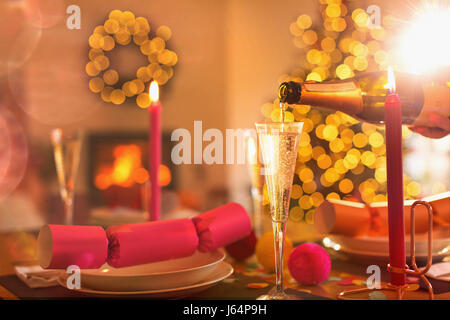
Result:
[{"x": 57, "y": 91}]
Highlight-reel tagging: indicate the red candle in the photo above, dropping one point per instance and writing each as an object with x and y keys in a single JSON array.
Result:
[
  {"x": 394, "y": 166},
  {"x": 154, "y": 152}
]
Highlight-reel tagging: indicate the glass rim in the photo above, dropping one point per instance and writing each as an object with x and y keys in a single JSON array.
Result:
[
  {"x": 293, "y": 123},
  {"x": 279, "y": 126}
]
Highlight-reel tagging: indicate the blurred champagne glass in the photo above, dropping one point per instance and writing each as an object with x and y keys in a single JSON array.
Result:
[
  {"x": 279, "y": 143},
  {"x": 257, "y": 181},
  {"x": 66, "y": 149}
]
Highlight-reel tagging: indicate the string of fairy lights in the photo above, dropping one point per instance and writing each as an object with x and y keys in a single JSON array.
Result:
[
  {"x": 338, "y": 156},
  {"x": 123, "y": 28}
]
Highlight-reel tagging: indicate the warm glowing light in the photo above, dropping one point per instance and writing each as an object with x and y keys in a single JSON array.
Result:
[
  {"x": 424, "y": 45},
  {"x": 56, "y": 135},
  {"x": 165, "y": 177},
  {"x": 154, "y": 91},
  {"x": 127, "y": 170},
  {"x": 391, "y": 80},
  {"x": 296, "y": 191}
]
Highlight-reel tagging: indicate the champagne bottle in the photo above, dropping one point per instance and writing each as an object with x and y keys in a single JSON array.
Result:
[{"x": 425, "y": 101}]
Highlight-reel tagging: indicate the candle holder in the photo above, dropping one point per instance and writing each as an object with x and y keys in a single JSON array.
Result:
[{"x": 415, "y": 271}]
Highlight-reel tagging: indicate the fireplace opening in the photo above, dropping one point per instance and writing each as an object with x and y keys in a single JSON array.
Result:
[{"x": 118, "y": 169}]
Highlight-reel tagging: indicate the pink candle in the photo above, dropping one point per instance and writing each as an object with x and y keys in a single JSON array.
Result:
[
  {"x": 154, "y": 153},
  {"x": 393, "y": 120}
]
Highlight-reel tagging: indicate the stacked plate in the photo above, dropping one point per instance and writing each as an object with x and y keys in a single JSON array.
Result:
[
  {"x": 377, "y": 248},
  {"x": 165, "y": 279}
]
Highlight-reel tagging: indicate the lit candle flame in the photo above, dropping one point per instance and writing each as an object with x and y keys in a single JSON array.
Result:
[
  {"x": 390, "y": 85},
  {"x": 154, "y": 91}
]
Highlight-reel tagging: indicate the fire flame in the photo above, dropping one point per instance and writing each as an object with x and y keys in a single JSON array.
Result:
[
  {"x": 390, "y": 85},
  {"x": 154, "y": 91},
  {"x": 127, "y": 169}
]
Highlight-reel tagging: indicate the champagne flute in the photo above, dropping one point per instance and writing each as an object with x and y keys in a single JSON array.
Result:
[
  {"x": 66, "y": 149},
  {"x": 279, "y": 143},
  {"x": 257, "y": 181}
]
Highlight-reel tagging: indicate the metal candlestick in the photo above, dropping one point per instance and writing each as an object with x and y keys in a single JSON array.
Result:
[{"x": 415, "y": 271}]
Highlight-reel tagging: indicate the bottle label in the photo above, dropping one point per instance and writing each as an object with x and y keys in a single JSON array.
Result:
[{"x": 340, "y": 86}]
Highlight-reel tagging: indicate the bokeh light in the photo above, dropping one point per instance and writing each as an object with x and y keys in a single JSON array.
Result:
[
  {"x": 423, "y": 47},
  {"x": 121, "y": 28},
  {"x": 339, "y": 156}
]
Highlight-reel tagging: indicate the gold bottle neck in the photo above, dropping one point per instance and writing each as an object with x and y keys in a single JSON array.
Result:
[{"x": 342, "y": 96}]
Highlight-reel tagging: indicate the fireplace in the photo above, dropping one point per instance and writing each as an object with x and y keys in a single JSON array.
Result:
[{"x": 118, "y": 168}]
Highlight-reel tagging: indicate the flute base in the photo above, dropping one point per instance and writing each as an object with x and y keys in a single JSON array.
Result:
[{"x": 273, "y": 295}]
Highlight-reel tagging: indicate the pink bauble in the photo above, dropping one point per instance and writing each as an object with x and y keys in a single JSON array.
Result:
[{"x": 309, "y": 264}]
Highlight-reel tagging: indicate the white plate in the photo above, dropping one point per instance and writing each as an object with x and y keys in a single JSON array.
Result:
[
  {"x": 153, "y": 276},
  {"x": 377, "y": 249},
  {"x": 223, "y": 271},
  {"x": 380, "y": 245}
]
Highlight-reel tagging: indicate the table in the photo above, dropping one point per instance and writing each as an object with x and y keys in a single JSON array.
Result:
[{"x": 17, "y": 248}]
